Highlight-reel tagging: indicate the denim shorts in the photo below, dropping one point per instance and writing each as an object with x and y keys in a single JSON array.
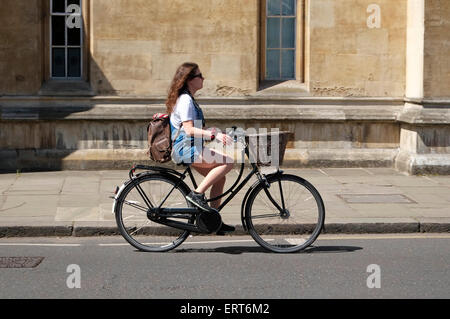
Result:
[{"x": 185, "y": 152}]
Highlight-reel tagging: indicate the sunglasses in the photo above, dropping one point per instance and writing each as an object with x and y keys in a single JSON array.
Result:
[{"x": 197, "y": 76}]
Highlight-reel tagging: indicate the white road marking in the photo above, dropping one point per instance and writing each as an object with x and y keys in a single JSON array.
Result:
[
  {"x": 291, "y": 240},
  {"x": 190, "y": 242},
  {"x": 224, "y": 241},
  {"x": 390, "y": 236},
  {"x": 49, "y": 245},
  {"x": 106, "y": 245}
]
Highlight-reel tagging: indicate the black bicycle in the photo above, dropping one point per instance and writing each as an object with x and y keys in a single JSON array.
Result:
[{"x": 283, "y": 213}]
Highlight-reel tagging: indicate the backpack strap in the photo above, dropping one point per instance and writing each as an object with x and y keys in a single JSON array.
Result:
[
  {"x": 175, "y": 138},
  {"x": 178, "y": 134}
]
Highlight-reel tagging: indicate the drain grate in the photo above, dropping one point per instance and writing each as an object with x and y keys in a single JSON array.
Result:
[
  {"x": 20, "y": 262},
  {"x": 376, "y": 198}
]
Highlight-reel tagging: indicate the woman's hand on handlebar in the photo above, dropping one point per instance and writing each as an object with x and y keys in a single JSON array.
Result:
[{"x": 224, "y": 138}]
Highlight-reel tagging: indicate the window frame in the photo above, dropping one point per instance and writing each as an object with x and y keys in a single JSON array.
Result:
[
  {"x": 299, "y": 42},
  {"x": 66, "y": 46},
  {"x": 84, "y": 43}
]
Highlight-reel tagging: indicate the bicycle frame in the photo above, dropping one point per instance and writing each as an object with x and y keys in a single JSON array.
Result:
[
  {"x": 263, "y": 221},
  {"x": 188, "y": 212}
]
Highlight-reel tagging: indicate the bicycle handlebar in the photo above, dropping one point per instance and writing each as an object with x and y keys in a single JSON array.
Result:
[{"x": 235, "y": 133}]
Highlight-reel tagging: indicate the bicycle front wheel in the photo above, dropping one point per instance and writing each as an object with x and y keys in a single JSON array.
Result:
[
  {"x": 295, "y": 224},
  {"x": 147, "y": 191}
]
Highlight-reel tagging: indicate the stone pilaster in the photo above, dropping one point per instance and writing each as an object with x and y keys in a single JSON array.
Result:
[{"x": 424, "y": 120}]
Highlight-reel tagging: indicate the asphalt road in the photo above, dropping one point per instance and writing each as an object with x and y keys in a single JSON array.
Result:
[{"x": 347, "y": 266}]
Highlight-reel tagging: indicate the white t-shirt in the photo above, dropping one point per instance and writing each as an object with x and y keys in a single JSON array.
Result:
[{"x": 184, "y": 111}]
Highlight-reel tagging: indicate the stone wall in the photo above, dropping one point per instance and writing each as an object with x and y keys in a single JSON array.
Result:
[
  {"x": 20, "y": 47},
  {"x": 137, "y": 45},
  {"x": 349, "y": 58},
  {"x": 437, "y": 49},
  {"x": 108, "y": 133}
]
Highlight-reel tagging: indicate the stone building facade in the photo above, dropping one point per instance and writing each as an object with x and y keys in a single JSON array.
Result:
[{"x": 356, "y": 82}]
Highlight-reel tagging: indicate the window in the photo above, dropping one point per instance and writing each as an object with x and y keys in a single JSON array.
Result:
[
  {"x": 281, "y": 40},
  {"x": 66, "y": 39}
]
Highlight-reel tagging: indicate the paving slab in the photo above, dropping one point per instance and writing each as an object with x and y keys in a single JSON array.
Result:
[
  {"x": 81, "y": 185},
  {"x": 440, "y": 180},
  {"x": 377, "y": 171},
  {"x": 429, "y": 212},
  {"x": 336, "y": 172},
  {"x": 43, "y": 205},
  {"x": 78, "y": 214},
  {"x": 375, "y": 198},
  {"x": 339, "y": 210},
  {"x": 6, "y": 182},
  {"x": 383, "y": 210},
  {"x": 410, "y": 181},
  {"x": 77, "y": 200}
]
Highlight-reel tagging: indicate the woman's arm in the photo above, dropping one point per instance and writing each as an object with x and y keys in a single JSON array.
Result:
[{"x": 191, "y": 130}]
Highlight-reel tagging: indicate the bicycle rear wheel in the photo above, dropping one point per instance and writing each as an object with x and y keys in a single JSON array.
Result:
[
  {"x": 297, "y": 225},
  {"x": 149, "y": 190}
]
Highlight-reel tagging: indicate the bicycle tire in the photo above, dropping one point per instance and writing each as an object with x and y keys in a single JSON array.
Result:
[
  {"x": 136, "y": 227},
  {"x": 291, "y": 233}
]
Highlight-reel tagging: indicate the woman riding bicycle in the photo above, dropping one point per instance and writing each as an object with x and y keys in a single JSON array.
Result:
[{"x": 187, "y": 125}]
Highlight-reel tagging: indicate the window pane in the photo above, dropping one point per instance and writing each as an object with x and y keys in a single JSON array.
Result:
[
  {"x": 74, "y": 62},
  {"x": 69, "y": 2},
  {"x": 273, "y": 32},
  {"x": 288, "y": 33},
  {"x": 58, "y": 6},
  {"x": 288, "y": 64},
  {"x": 288, "y": 7},
  {"x": 58, "y": 62},
  {"x": 74, "y": 36},
  {"x": 273, "y": 7},
  {"x": 273, "y": 64},
  {"x": 58, "y": 30},
  {"x": 73, "y": 7}
]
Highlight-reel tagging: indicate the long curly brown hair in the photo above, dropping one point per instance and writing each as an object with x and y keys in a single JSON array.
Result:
[{"x": 184, "y": 73}]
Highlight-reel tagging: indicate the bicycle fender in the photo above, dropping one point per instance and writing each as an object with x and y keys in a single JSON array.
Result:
[
  {"x": 168, "y": 175},
  {"x": 119, "y": 191}
]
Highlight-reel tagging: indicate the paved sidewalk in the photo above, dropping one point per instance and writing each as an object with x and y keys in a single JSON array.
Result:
[{"x": 357, "y": 200}]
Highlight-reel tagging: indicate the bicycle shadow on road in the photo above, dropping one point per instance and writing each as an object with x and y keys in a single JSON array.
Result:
[{"x": 236, "y": 250}]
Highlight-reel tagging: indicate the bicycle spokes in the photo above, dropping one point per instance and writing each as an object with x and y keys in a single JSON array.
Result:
[
  {"x": 290, "y": 227},
  {"x": 137, "y": 202}
]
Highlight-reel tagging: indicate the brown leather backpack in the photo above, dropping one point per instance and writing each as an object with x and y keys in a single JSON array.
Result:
[{"x": 159, "y": 138}]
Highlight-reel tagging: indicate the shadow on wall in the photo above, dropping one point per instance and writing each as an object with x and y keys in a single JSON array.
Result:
[
  {"x": 98, "y": 80},
  {"x": 38, "y": 134}
]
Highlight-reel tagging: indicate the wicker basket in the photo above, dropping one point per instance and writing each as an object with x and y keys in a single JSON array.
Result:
[{"x": 260, "y": 147}]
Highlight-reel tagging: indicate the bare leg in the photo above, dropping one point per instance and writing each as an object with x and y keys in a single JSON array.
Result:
[
  {"x": 214, "y": 174},
  {"x": 216, "y": 189}
]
